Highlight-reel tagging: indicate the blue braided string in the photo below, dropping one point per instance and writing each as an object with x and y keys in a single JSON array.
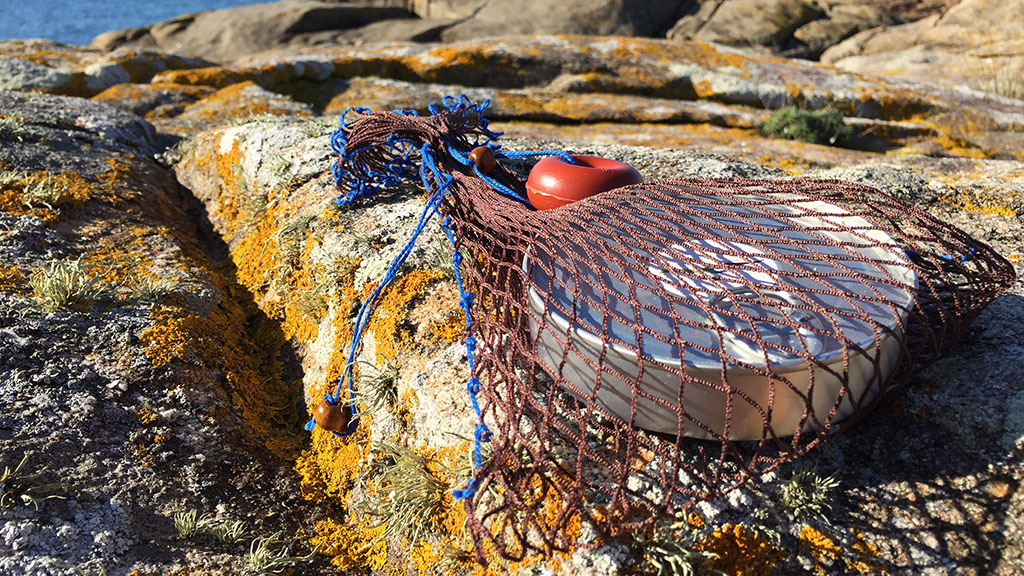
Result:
[
  {"x": 363, "y": 181},
  {"x": 500, "y": 154},
  {"x": 481, "y": 433},
  {"x": 366, "y": 310}
]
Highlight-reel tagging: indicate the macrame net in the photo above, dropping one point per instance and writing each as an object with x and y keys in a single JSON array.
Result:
[{"x": 660, "y": 344}]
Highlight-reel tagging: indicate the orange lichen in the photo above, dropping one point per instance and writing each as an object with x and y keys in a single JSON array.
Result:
[
  {"x": 695, "y": 520},
  {"x": 387, "y": 322},
  {"x": 137, "y": 92},
  {"x": 351, "y": 547},
  {"x": 448, "y": 329},
  {"x": 244, "y": 350},
  {"x": 865, "y": 556},
  {"x": 822, "y": 550},
  {"x": 215, "y": 76},
  {"x": 328, "y": 467},
  {"x": 11, "y": 279},
  {"x": 43, "y": 194},
  {"x": 972, "y": 201},
  {"x": 959, "y": 146},
  {"x": 145, "y": 415},
  {"x": 240, "y": 100},
  {"x": 741, "y": 552},
  {"x": 787, "y": 164},
  {"x": 302, "y": 323}
]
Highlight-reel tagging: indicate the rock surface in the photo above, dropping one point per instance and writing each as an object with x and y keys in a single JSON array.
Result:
[
  {"x": 967, "y": 41},
  {"x": 227, "y": 34},
  {"x": 144, "y": 394},
  {"x": 150, "y": 399},
  {"x": 976, "y": 43}
]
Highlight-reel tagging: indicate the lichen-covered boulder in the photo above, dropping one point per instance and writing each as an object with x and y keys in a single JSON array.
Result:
[
  {"x": 138, "y": 383},
  {"x": 309, "y": 264},
  {"x": 47, "y": 66}
]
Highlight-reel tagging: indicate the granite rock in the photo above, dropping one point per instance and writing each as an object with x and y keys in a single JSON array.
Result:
[
  {"x": 974, "y": 43},
  {"x": 230, "y": 33}
]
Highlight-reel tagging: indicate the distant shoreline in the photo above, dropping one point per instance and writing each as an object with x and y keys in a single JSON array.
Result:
[{"x": 79, "y": 21}]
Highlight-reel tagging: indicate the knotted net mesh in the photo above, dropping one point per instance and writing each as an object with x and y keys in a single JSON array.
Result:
[{"x": 660, "y": 344}]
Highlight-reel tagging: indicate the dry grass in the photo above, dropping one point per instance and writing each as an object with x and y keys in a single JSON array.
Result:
[{"x": 65, "y": 283}]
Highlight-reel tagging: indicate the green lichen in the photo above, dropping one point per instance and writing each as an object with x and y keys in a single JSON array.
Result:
[
  {"x": 379, "y": 389},
  {"x": 190, "y": 523},
  {"x": 12, "y": 129},
  {"x": 409, "y": 497},
  {"x": 264, "y": 559},
  {"x": 149, "y": 288}
]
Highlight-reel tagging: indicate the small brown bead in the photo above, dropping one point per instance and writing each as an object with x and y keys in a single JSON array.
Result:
[
  {"x": 331, "y": 417},
  {"x": 484, "y": 159}
]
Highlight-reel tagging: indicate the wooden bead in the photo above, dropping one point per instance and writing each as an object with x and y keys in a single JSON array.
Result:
[
  {"x": 484, "y": 159},
  {"x": 331, "y": 417}
]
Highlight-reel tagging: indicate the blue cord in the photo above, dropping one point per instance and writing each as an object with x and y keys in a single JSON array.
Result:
[
  {"x": 481, "y": 433},
  {"x": 364, "y": 181}
]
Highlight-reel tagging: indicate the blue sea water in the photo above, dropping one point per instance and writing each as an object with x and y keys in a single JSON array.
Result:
[{"x": 79, "y": 21}]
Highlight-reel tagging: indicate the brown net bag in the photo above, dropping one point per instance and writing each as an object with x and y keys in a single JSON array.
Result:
[{"x": 659, "y": 344}]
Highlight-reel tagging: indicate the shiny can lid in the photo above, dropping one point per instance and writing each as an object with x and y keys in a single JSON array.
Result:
[{"x": 747, "y": 280}]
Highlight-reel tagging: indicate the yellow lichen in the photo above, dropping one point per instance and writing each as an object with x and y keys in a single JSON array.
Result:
[
  {"x": 11, "y": 279},
  {"x": 741, "y": 551},
  {"x": 821, "y": 549},
  {"x": 387, "y": 322},
  {"x": 972, "y": 201}
]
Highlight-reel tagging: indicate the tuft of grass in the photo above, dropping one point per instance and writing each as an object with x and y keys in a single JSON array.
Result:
[
  {"x": 147, "y": 288},
  {"x": 12, "y": 129},
  {"x": 66, "y": 283},
  {"x": 190, "y": 523},
  {"x": 49, "y": 191},
  {"x": 814, "y": 126},
  {"x": 410, "y": 496},
  {"x": 380, "y": 389},
  {"x": 10, "y": 177},
  {"x": 264, "y": 559},
  {"x": 439, "y": 256},
  {"x": 806, "y": 495},
  {"x": 27, "y": 488},
  {"x": 230, "y": 531},
  {"x": 667, "y": 549}
]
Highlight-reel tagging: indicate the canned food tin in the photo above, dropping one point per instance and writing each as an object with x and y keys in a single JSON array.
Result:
[{"x": 770, "y": 311}]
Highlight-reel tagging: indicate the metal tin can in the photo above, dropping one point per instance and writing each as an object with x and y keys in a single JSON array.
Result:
[{"x": 769, "y": 315}]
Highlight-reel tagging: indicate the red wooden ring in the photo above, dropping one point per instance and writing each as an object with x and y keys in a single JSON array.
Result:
[{"x": 553, "y": 182}]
